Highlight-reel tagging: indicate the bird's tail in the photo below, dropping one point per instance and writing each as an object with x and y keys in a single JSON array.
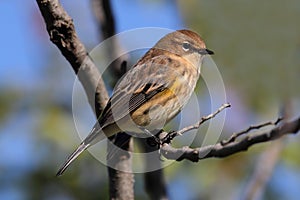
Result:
[
  {"x": 95, "y": 136},
  {"x": 72, "y": 157}
]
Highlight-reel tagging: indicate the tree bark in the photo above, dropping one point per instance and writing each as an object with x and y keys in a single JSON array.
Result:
[{"x": 62, "y": 33}]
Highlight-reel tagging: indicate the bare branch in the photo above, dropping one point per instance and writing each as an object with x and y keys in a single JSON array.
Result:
[
  {"x": 219, "y": 151},
  {"x": 167, "y": 138},
  {"x": 234, "y": 136},
  {"x": 266, "y": 163},
  {"x": 263, "y": 170},
  {"x": 121, "y": 182},
  {"x": 104, "y": 16},
  {"x": 154, "y": 181},
  {"x": 203, "y": 119},
  {"x": 62, "y": 33}
]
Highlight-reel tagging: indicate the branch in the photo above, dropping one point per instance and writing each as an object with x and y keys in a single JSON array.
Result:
[
  {"x": 263, "y": 171},
  {"x": 121, "y": 182},
  {"x": 104, "y": 16},
  {"x": 167, "y": 138},
  {"x": 220, "y": 150},
  {"x": 266, "y": 163},
  {"x": 154, "y": 181},
  {"x": 121, "y": 178},
  {"x": 234, "y": 136},
  {"x": 62, "y": 33}
]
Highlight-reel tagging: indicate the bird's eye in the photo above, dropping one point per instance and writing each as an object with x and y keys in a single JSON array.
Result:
[{"x": 186, "y": 46}]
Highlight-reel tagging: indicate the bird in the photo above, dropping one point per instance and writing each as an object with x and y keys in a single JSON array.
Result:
[{"x": 152, "y": 92}]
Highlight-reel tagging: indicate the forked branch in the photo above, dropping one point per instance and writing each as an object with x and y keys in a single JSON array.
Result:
[{"x": 230, "y": 146}]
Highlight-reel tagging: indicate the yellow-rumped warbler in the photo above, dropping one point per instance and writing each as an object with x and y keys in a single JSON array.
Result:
[{"x": 153, "y": 91}]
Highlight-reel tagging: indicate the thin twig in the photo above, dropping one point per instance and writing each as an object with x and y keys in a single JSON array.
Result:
[
  {"x": 220, "y": 151},
  {"x": 168, "y": 137},
  {"x": 234, "y": 136},
  {"x": 203, "y": 119}
]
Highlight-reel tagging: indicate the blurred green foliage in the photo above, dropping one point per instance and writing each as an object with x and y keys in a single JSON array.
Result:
[{"x": 256, "y": 45}]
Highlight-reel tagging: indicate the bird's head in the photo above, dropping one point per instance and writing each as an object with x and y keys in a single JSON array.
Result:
[{"x": 185, "y": 43}]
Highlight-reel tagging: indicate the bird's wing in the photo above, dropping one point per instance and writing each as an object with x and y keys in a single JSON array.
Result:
[{"x": 134, "y": 90}]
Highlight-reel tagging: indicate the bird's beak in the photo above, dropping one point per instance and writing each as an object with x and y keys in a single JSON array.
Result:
[{"x": 205, "y": 52}]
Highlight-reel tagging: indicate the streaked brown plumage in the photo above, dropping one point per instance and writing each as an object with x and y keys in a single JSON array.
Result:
[{"x": 153, "y": 91}]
